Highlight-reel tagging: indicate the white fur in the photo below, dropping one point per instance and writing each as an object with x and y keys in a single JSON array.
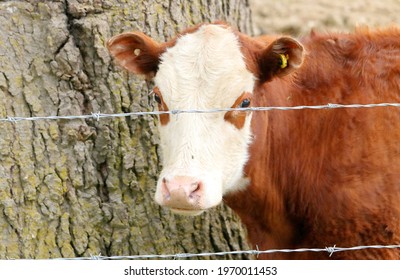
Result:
[{"x": 204, "y": 70}]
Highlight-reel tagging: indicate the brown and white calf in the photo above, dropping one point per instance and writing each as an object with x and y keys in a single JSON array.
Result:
[{"x": 307, "y": 178}]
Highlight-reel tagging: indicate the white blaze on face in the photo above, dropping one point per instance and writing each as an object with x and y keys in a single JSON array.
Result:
[{"x": 203, "y": 155}]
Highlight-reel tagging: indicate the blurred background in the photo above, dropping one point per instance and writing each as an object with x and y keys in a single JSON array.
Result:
[{"x": 298, "y": 17}]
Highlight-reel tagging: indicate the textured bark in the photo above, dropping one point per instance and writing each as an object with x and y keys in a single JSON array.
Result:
[{"x": 73, "y": 188}]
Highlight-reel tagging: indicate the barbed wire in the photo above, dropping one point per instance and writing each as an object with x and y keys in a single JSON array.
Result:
[
  {"x": 98, "y": 115},
  {"x": 328, "y": 250}
]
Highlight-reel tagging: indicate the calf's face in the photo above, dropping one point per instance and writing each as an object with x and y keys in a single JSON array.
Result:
[{"x": 203, "y": 154}]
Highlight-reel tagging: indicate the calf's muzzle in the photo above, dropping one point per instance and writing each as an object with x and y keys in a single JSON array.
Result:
[{"x": 181, "y": 193}]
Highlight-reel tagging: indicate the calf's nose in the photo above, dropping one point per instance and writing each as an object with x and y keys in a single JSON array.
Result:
[{"x": 181, "y": 192}]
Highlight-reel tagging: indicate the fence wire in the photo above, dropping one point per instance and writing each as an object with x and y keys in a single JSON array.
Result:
[
  {"x": 97, "y": 116},
  {"x": 329, "y": 250}
]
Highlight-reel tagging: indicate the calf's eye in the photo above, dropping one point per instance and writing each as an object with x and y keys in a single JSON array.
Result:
[
  {"x": 164, "y": 118},
  {"x": 245, "y": 103},
  {"x": 157, "y": 98}
]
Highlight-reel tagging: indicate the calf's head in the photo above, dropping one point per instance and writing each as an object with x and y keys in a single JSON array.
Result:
[{"x": 211, "y": 66}]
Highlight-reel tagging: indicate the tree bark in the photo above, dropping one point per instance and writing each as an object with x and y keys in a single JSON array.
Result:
[{"x": 71, "y": 188}]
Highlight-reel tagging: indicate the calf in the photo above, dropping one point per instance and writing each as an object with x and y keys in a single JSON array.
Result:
[{"x": 305, "y": 178}]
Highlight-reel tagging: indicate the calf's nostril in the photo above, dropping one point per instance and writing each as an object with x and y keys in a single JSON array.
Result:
[
  {"x": 196, "y": 189},
  {"x": 165, "y": 190}
]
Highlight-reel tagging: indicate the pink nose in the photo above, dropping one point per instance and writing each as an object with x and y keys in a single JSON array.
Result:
[{"x": 181, "y": 192}]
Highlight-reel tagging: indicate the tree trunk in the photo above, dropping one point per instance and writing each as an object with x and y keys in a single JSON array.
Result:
[{"x": 81, "y": 187}]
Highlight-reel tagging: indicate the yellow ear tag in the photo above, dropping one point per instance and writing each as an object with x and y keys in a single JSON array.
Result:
[{"x": 284, "y": 60}]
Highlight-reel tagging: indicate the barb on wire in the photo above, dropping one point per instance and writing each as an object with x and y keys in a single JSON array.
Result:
[
  {"x": 329, "y": 250},
  {"x": 97, "y": 116}
]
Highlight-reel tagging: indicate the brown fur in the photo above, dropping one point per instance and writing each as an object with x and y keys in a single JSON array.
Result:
[{"x": 327, "y": 177}]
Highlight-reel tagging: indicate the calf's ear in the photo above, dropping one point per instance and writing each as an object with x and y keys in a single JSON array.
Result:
[
  {"x": 280, "y": 58},
  {"x": 136, "y": 52}
]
